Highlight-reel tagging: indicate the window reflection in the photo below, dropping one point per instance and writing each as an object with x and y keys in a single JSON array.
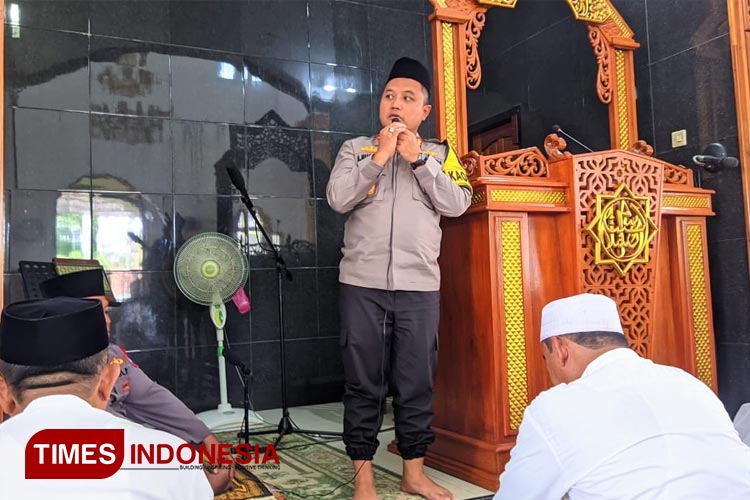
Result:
[
  {"x": 72, "y": 226},
  {"x": 115, "y": 219}
]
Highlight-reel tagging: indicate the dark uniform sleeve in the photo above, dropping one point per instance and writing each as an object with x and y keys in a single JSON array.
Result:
[{"x": 142, "y": 400}]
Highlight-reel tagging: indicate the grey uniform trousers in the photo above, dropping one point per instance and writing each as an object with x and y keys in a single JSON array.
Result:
[{"x": 389, "y": 341}]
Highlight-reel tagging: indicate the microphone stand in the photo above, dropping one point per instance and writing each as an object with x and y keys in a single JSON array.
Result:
[
  {"x": 556, "y": 129},
  {"x": 246, "y": 376},
  {"x": 285, "y": 426}
]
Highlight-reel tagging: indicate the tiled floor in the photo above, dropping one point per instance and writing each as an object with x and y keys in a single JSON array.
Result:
[{"x": 329, "y": 417}]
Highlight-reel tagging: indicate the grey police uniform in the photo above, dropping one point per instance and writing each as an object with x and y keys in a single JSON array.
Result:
[
  {"x": 136, "y": 397},
  {"x": 390, "y": 282}
]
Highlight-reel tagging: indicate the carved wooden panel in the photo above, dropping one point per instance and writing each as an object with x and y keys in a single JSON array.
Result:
[
  {"x": 633, "y": 291},
  {"x": 528, "y": 162}
]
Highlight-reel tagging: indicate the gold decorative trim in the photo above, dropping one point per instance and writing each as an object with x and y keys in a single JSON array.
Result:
[
  {"x": 518, "y": 196},
  {"x": 515, "y": 326},
  {"x": 681, "y": 201},
  {"x": 622, "y": 100},
  {"x": 622, "y": 229},
  {"x": 595, "y": 11},
  {"x": 449, "y": 77},
  {"x": 599, "y": 11},
  {"x": 499, "y": 3},
  {"x": 699, "y": 304},
  {"x": 478, "y": 197}
]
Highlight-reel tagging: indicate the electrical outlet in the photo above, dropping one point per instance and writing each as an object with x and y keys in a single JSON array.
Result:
[{"x": 679, "y": 138}]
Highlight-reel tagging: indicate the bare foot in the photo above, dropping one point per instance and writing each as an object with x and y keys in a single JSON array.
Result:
[
  {"x": 416, "y": 482},
  {"x": 364, "y": 482}
]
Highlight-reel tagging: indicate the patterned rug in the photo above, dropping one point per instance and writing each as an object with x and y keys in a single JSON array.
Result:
[{"x": 314, "y": 471}]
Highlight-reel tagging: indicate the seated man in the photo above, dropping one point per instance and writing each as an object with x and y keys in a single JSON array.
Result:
[
  {"x": 49, "y": 383},
  {"x": 135, "y": 396},
  {"x": 618, "y": 426}
]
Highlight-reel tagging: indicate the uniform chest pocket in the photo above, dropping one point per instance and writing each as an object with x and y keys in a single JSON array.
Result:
[
  {"x": 376, "y": 192},
  {"x": 418, "y": 194}
]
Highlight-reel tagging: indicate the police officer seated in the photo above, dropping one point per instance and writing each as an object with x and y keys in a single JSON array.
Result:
[
  {"x": 135, "y": 396},
  {"x": 54, "y": 374}
]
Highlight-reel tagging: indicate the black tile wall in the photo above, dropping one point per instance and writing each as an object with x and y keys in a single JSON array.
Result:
[
  {"x": 54, "y": 77},
  {"x": 68, "y": 15},
  {"x": 206, "y": 85},
  {"x": 141, "y": 20},
  {"x": 520, "y": 51},
  {"x": 64, "y": 162},
  {"x": 127, "y": 153},
  {"x": 214, "y": 24},
  {"x": 129, "y": 77},
  {"x": 277, "y": 93},
  {"x": 339, "y": 33},
  {"x": 276, "y": 29},
  {"x": 121, "y": 120}
]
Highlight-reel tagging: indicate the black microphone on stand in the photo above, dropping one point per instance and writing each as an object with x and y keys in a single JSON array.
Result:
[
  {"x": 237, "y": 180},
  {"x": 286, "y": 426},
  {"x": 235, "y": 360},
  {"x": 559, "y": 131}
]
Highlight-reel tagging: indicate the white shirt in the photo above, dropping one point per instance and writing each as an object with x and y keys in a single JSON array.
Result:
[
  {"x": 627, "y": 429},
  {"x": 71, "y": 412}
]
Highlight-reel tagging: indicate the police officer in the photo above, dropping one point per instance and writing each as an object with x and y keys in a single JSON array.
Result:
[
  {"x": 395, "y": 187},
  {"x": 54, "y": 374},
  {"x": 135, "y": 396}
]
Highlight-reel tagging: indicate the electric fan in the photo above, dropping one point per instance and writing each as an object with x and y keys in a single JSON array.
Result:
[{"x": 208, "y": 269}]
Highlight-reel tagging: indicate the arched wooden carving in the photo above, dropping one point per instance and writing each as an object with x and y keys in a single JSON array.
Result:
[{"x": 456, "y": 29}]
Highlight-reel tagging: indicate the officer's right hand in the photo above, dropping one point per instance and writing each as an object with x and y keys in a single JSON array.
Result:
[{"x": 387, "y": 140}]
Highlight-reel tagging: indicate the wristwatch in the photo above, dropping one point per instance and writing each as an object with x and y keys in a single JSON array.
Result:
[{"x": 421, "y": 160}]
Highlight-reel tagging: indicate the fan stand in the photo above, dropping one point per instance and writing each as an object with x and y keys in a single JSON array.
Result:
[{"x": 224, "y": 417}]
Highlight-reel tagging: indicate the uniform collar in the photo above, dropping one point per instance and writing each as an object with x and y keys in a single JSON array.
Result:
[{"x": 607, "y": 359}]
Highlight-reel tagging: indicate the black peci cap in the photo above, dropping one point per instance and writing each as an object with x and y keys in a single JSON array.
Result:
[
  {"x": 50, "y": 332},
  {"x": 413, "y": 69},
  {"x": 89, "y": 283}
]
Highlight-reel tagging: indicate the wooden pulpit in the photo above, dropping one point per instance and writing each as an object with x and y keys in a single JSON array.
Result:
[{"x": 618, "y": 223}]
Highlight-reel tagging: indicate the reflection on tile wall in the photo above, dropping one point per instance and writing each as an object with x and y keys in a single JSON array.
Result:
[{"x": 121, "y": 118}]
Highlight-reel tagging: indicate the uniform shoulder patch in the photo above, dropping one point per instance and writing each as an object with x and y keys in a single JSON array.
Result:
[{"x": 453, "y": 168}]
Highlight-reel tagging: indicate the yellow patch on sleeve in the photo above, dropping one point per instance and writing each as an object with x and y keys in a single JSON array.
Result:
[
  {"x": 372, "y": 190},
  {"x": 453, "y": 168},
  {"x": 369, "y": 149}
]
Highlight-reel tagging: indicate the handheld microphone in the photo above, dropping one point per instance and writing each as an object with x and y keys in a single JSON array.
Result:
[
  {"x": 559, "y": 131},
  {"x": 396, "y": 119}
]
